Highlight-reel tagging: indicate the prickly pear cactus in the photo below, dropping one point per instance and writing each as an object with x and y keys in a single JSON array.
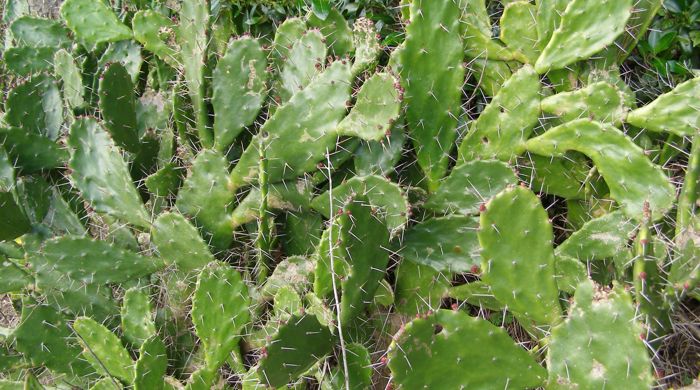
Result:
[{"x": 207, "y": 194}]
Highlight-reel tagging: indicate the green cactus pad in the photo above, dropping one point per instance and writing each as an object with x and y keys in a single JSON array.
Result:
[
  {"x": 549, "y": 14},
  {"x": 599, "y": 101},
  {"x": 326, "y": 268},
  {"x": 179, "y": 243},
  {"x": 12, "y": 277},
  {"x": 300, "y": 66},
  {"x": 365, "y": 241},
  {"x": 239, "y": 89},
  {"x": 519, "y": 29},
  {"x": 102, "y": 175},
  {"x": 165, "y": 181},
  {"x": 69, "y": 73},
  {"x": 599, "y": 345},
  {"x": 382, "y": 193},
  {"x": 599, "y": 238},
  {"x": 86, "y": 300},
  {"x": 380, "y": 158},
  {"x": 419, "y": 288},
  {"x": 671, "y": 112},
  {"x": 206, "y": 197},
  {"x": 490, "y": 75},
  {"x": 643, "y": 14},
  {"x": 314, "y": 114},
  {"x": 294, "y": 271},
  {"x": 631, "y": 177},
  {"x": 93, "y": 22},
  {"x": 43, "y": 336},
  {"x": 192, "y": 38},
  {"x": 297, "y": 346},
  {"x": 67, "y": 262},
  {"x": 36, "y": 107},
  {"x": 137, "y": 320},
  {"x": 585, "y": 28},
  {"x": 335, "y": 31},
  {"x": 118, "y": 107},
  {"x": 27, "y": 60},
  {"x": 32, "y": 152},
  {"x": 506, "y": 123},
  {"x": 570, "y": 272},
  {"x": 477, "y": 34},
  {"x": 448, "y": 244},
  {"x": 470, "y": 185},
  {"x": 518, "y": 258},
  {"x": 219, "y": 311},
  {"x": 289, "y": 32},
  {"x": 477, "y": 294},
  {"x": 359, "y": 370},
  {"x": 301, "y": 231},
  {"x": 37, "y": 32},
  {"x": 565, "y": 176},
  {"x": 128, "y": 53},
  {"x": 426, "y": 354},
  {"x": 151, "y": 365},
  {"x": 367, "y": 47},
  {"x": 103, "y": 349},
  {"x": 375, "y": 111},
  {"x": 156, "y": 33},
  {"x": 13, "y": 221},
  {"x": 286, "y": 195},
  {"x": 432, "y": 75}
]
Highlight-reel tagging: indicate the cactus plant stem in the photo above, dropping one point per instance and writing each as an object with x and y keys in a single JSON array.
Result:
[
  {"x": 689, "y": 193},
  {"x": 332, "y": 263},
  {"x": 263, "y": 240}
]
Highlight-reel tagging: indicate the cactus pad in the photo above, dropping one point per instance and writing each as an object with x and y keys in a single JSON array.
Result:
[
  {"x": 93, "y": 22},
  {"x": 598, "y": 345},
  {"x": 518, "y": 258},
  {"x": 674, "y": 111},
  {"x": 364, "y": 239},
  {"x": 314, "y": 113},
  {"x": 136, "y": 316},
  {"x": 448, "y": 244},
  {"x": 102, "y": 175},
  {"x": 118, "y": 107},
  {"x": 238, "y": 89},
  {"x": 179, "y": 243},
  {"x": 68, "y": 262},
  {"x": 376, "y": 109},
  {"x": 151, "y": 365},
  {"x": 505, "y": 124},
  {"x": 599, "y": 101},
  {"x": 432, "y": 75},
  {"x": 206, "y": 198},
  {"x": 599, "y": 238},
  {"x": 382, "y": 193},
  {"x": 585, "y": 28},
  {"x": 104, "y": 350},
  {"x": 631, "y": 177},
  {"x": 425, "y": 354},
  {"x": 219, "y": 311},
  {"x": 297, "y": 346},
  {"x": 470, "y": 185}
]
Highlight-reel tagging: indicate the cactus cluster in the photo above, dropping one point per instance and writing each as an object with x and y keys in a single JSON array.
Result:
[{"x": 185, "y": 204}]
